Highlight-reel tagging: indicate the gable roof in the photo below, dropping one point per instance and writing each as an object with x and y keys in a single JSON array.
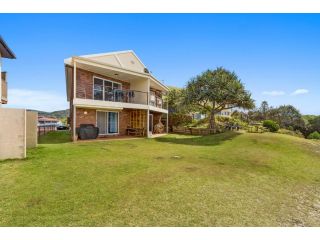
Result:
[
  {"x": 127, "y": 60},
  {"x": 5, "y": 51}
]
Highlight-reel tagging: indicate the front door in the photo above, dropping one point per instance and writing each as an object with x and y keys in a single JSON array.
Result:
[{"x": 150, "y": 123}]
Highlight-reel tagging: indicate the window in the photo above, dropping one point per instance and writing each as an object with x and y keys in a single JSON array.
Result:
[
  {"x": 108, "y": 94},
  {"x": 98, "y": 89},
  {"x": 105, "y": 89}
]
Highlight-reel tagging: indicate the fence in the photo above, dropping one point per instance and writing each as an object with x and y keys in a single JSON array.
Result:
[
  {"x": 203, "y": 131},
  {"x": 42, "y": 130},
  {"x": 194, "y": 131}
]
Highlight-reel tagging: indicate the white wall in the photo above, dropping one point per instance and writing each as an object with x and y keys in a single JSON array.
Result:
[
  {"x": 140, "y": 85},
  {"x": 18, "y": 130},
  {"x": 12, "y": 133},
  {"x": 31, "y": 129}
]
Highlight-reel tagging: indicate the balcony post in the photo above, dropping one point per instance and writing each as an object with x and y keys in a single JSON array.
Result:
[
  {"x": 167, "y": 116},
  {"x": 148, "y": 93},
  {"x": 148, "y": 111},
  {"x": 74, "y": 96},
  {"x": 74, "y": 79}
]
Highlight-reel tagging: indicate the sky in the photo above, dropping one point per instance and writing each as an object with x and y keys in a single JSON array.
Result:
[{"x": 276, "y": 56}]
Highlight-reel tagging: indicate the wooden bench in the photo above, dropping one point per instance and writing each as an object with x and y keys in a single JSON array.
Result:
[{"x": 135, "y": 131}]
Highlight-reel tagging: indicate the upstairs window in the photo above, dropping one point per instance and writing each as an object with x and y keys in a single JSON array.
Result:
[
  {"x": 104, "y": 89},
  {"x": 98, "y": 89}
]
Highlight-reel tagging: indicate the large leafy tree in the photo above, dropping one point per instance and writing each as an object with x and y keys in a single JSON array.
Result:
[
  {"x": 213, "y": 91},
  {"x": 178, "y": 110},
  {"x": 287, "y": 116},
  {"x": 174, "y": 98}
]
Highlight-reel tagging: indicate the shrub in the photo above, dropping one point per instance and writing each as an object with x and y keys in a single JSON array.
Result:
[
  {"x": 178, "y": 119},
  {"x": 314, "y": 135},
  {"x": 271, "y": 125},
  {"x": 296, "y": 133},
  {"x": 290, "y": 128}
]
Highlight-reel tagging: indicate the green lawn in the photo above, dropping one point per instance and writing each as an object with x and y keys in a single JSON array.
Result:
[{"x": 229, "y": 179}]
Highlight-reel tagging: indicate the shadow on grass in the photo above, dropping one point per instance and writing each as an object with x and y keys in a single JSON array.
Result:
[
  {"x": 55, "y": 137},
  {"x": 209, "y": 140},
  {"x": 12, "y": 160}
]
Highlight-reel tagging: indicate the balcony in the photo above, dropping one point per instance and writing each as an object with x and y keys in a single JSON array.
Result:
[
  {"x": 115, "y": 95},
  {"x": 156, "y": 101},
  {"x": 119, "y": 98},
  {"x": 4, "y": 89}
]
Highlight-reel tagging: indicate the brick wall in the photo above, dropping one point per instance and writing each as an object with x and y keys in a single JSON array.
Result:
[
  {"x": 124, "y": 121},
  {"x": 85, "y": 83},
  {"x": 89, "y": 118},
  {"x": 156, "y": 117}
]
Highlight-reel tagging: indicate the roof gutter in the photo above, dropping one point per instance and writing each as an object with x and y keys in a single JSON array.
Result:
[{"x": 6, "y": 52}]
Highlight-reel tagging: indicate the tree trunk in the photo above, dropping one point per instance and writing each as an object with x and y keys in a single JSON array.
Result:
[{"x": 212, "y": 121}]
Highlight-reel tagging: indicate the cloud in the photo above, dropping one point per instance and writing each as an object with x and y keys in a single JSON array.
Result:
[
  {"x": 300, "y": 91},
  {"x": 37, "y": 100},
  {"x": 274, "y": 93}
]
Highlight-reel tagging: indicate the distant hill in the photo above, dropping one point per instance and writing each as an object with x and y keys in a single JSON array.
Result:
[{"x": 57, "y": 114}]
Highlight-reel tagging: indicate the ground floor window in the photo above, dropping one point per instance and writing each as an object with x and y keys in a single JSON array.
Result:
[{"x": 108, "y": 122}]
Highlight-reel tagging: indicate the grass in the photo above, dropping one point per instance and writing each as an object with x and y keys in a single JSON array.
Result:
[{"x": 229, "y": 179}]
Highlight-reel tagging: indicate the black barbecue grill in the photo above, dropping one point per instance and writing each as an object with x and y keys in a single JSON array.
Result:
[{"x": 87, "y": 131}]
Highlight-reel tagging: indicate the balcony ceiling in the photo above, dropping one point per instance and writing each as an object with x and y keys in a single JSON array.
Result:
[{"x": 112, "y": 73}]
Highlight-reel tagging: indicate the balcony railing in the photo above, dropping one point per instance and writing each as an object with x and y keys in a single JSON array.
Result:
[
  {"x": 124, "y": 96},
  {"x": 156, "y": 101},
  {"x": 115, "y": 95}
]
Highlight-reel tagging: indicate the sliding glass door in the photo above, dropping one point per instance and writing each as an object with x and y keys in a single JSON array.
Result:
[
  {"x": 108, "y": 122},
  {"x": 102, "y": 123},
  {"x": 112, "y": 122}
]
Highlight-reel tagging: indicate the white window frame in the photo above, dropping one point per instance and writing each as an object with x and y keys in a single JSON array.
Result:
[
  {"x": 103, "y": 88},
  {"x": 107, "y": 122}
]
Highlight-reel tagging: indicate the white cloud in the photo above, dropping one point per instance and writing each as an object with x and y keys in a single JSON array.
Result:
[
  {"x": 300, "y": 91},
  {"x": 274, "y": 93},
  {"x": 37, "y": 100}
]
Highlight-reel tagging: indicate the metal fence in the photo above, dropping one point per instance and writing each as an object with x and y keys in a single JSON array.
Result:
[{"x": 44, "y": 129}]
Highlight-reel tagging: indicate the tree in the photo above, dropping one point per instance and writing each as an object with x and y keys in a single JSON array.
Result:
[
  {"x": 241, "y": 115},
  {"x": 264, "y": 110},
  {"x": 176, "y": 104},
  {"x": 213, "y": 91},
  {"x": 286, "y": 116},
  {"x": 174, "y": 98},
  {"x": 315, "y": 123},
  {"x": 178, "y": 111}
]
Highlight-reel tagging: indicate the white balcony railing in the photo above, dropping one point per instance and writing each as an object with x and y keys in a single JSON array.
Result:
[{"x": 124, "y": 96}]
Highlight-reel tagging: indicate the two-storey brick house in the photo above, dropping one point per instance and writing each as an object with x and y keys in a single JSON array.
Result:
[{"x": 116, "y": 93}]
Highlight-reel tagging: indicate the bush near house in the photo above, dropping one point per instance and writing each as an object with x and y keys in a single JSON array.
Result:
[
  {"x": 271, "y": 125},
  {"x": 314, "y": 135},
  {"x": 179, "y": 119}
]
